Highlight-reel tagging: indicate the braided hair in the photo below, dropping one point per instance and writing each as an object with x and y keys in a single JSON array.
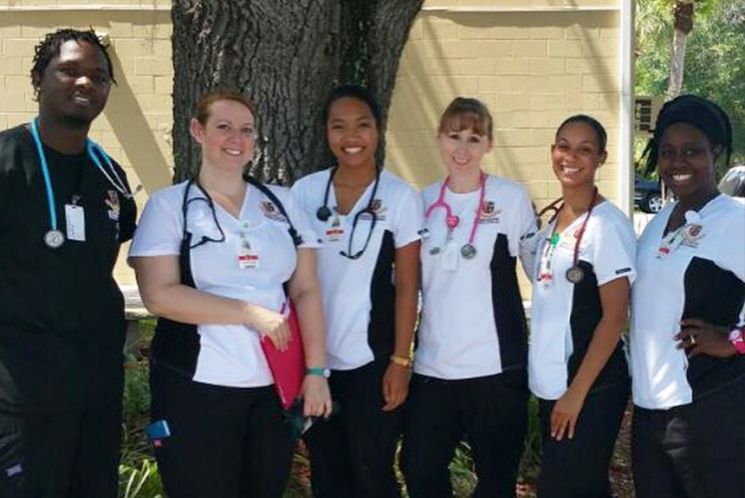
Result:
[
  {"x": 698, "y": 112},
  {"x": 49, "y": 47}
]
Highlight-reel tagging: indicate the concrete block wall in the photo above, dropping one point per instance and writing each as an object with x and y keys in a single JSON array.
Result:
[
  {"x": 533, "y": 68},
  {"x": 534, "y": 62},
  {"x": 135, "y": 127}
]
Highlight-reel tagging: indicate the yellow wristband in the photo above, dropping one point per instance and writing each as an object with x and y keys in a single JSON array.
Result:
[{"x": 401, "y": 360}]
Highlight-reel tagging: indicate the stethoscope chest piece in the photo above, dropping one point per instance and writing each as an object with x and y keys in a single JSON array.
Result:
[
  {"x": 323, "y": 213},
  {"x": 468, "y": 251},
  {"x": 575, "y": 274},
  {"x": 54, "y": 239}
]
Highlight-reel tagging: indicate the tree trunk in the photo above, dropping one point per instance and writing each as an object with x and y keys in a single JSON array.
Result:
[
  {"x": 683, "y": 12},
  {"x": 286, "y": 55}
]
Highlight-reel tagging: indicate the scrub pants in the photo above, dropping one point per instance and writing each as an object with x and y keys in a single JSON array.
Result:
[
  {"x": 225, "y": 442},
  {"x": 492, "y": 413},
  {"x": 578, "y": 467},
  {"x": 70, "y": 454},
  {"x": 352, "y": 454},
  {"x": 692, "y": 451}
]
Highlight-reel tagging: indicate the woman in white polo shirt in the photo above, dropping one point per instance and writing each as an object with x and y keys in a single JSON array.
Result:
[
  {"x": 368, "y": 221},
  {"x": 470, "y": 376},
  {"x": 577, "y": 367},
  {"x": 687, "y": 348},
  {"x": 212, "y": 255}
]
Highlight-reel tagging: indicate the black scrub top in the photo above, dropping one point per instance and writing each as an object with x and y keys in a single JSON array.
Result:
[{"x": 62, "y": 321}]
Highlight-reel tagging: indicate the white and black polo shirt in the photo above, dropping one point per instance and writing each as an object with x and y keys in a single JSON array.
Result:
[
  {"x": 359, "y": 295},
  {"x": 564, "y": 314},
  {"x": 220, "y": 354},
  {"x": 703, "y": 279},
  {"x": 473, "y": 321}
]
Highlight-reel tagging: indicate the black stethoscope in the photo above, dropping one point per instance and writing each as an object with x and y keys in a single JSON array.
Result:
[
  {"x": 185, "y": 212},
  {"x": 54, "y": 238},
  {"x": 575, "y": 274},
  {"x": 324, "y": 213}
]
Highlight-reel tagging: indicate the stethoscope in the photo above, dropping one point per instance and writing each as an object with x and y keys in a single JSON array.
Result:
[
  {"x": 54, "y": 238},
  {"x": 468, "y": 251},
  {"x": 186, "y": 202},
  {"x": 575, "y": 274},
  {"x": 324, "y": 213}
]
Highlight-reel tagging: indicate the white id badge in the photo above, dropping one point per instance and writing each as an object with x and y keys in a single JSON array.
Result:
[
  {"x": 449, "y": 256},
  {"x": 75, "y": 217}
]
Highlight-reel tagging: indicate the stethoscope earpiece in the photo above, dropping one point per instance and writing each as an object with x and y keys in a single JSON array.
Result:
[{"x": 323, "y": 213}]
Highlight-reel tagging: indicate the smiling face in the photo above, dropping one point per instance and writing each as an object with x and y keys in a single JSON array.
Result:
[
  {"x": 576, "y": 155},
  {"x": 686, "y": 161},
  {"x": 352, "y": 133},
  {"x": 75, "y": 85},
  {"x": 462, "y": 151},
  {"x": 228, "y": 136}
]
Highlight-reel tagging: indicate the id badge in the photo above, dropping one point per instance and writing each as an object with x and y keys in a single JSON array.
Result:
[
  {"x": 449, "y": 256},
  {"x": 75, "y": 218},
  {"x": 248, "y": 259},
  {"x": 335, "y": 231}
]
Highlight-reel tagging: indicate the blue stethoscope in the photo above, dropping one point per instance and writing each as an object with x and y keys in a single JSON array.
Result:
[{"x": 54, "y": 238}]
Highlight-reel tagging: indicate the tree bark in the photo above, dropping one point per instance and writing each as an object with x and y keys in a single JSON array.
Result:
[
  {"x": 683, "y": 12},
  {"x": 286, "y": 55}
]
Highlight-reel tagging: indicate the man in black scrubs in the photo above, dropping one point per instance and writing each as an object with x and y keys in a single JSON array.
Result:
[{"x": 65, "y": 208}]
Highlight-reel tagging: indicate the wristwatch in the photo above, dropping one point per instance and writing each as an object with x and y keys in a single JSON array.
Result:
[
  {"x": 737, "y": 340},
  {"x": 319, "y": 371}
]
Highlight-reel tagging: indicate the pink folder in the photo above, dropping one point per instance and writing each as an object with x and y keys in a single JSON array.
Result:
[{"x": 288, "y": 367}]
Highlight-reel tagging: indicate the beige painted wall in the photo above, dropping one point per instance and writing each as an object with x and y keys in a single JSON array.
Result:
[{"x": 534, "y": 62}]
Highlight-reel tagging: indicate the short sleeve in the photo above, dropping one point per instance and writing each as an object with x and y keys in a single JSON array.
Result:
[
  {"x": 159, "y": 232},
  {"x": 614, "y": 250},
  {"x": 527, "y": 231},
  {"x": 731, "y": 255},
  {"x": 408, "y": 218},
  {"x": 128, "y": 217},
  {"x": 299, "y": 218}
]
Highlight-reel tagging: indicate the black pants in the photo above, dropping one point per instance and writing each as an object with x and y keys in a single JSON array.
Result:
[
  {"x": 578, "y": 467},
  {"x": 72, "y": 454},
  {"x": 692, "y": 451},
  {"x": 225, "y": 442},
  {"x": 352, "y": 454},
  {"x": 490, "y": 411}
]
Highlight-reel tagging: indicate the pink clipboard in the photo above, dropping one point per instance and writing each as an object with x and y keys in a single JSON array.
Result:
[{"x": 288, "y": 367}]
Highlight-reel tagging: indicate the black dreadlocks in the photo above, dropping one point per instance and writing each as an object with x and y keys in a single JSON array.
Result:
[{"x": 49, "y": 47}]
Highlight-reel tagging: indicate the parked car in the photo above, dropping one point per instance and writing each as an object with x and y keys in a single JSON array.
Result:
[
  {"x": 733, "y": 182},
  {"x": 647, "y": 194}
]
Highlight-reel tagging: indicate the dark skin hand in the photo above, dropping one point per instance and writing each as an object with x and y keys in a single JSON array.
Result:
[{"x": 701, "y": 337}]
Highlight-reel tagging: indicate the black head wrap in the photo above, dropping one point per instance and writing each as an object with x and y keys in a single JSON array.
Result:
[{"x": 695, "y": 111}]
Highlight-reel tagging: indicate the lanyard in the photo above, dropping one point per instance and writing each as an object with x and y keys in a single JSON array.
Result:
[
  {"x": 54, "y": 237},
  {"x": 468, "y": 250}
]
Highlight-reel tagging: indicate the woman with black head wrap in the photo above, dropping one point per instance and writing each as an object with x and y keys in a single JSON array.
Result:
[{"x": 687, "y": 349}]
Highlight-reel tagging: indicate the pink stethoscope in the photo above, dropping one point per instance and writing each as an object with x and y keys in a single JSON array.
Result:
[{"x": 468, "y": 250}]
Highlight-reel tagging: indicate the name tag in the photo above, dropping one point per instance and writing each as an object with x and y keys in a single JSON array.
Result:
[{"x": 75, "y": 218}]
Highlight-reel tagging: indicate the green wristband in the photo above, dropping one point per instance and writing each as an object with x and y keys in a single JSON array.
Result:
[{"x": 319, "y": 371}]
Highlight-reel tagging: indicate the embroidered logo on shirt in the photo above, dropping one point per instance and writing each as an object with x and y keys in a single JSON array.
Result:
[
  {"x": 489, "y": 214},
  {"x": 270, "y": 211},
  {"x": 112, "y": 202},
  {"x": 377, "y": 206}
]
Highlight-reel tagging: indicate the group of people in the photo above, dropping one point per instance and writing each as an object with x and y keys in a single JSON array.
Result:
[{"x": 219, "y": 257}]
